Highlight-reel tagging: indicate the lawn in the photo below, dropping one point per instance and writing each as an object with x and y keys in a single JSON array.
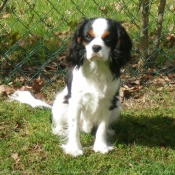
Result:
[{"x": 144, "y": 141}]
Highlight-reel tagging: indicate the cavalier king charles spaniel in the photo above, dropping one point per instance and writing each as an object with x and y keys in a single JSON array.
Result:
[{"x": 98, "y": 49}]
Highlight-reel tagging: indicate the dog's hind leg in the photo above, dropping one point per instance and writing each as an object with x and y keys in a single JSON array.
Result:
[{"x": 59, "y": 116}]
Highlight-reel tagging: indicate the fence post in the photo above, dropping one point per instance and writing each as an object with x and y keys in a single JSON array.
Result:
[
  {"x": 161, "y": 9},
  {"x": 144, "y": 7},
  {"x": 3, "y": 5}
]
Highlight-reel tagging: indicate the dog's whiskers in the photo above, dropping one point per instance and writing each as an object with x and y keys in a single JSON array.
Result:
[{"x": 83, "y": 57}]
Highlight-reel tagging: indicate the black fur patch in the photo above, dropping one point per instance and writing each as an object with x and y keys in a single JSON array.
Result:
[
  {"x": 114, "y": 101},
  {"x": 69, "y": 78},
  {"x": 50, "y": 118}
]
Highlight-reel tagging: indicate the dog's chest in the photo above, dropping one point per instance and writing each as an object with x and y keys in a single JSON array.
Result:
[
  {"x": 98, "y": 95},
  {"x": 96, "y": 80},
  {"x": 95, "y": 87}
]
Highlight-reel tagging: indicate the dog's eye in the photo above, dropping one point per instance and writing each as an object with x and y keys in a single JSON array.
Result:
[
  {"x": 88, "y": 37},
  {"x": 108, "y": 38}
]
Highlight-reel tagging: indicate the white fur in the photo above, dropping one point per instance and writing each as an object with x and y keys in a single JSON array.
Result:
[
  {"x": 27, "y": 98},
  {"x": 99, "y": 27},
  {"x": 59, "y": 114},
  {"x": 103, "y": 54},
  {"x": 93, "y": 88}
]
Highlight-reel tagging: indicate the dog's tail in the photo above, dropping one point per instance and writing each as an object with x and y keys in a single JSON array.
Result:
[{"x": 27, "y": 98}]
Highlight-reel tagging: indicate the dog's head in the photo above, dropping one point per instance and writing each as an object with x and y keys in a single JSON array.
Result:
[{"x": 100, "y": 39}]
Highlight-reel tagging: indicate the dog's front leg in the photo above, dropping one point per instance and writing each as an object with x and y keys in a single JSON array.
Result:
[
  {"x": 100, "y": 144},
  {"x": 73, "y": 145}
]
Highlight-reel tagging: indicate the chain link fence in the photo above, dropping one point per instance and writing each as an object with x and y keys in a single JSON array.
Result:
[{"x": 34, "y": 35}]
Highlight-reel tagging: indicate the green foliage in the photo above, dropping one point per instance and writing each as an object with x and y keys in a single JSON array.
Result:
[{"x": 34, "y": 33}]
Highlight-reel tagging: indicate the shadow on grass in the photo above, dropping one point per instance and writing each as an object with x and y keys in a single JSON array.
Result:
[{"x": 152, "y": 132}]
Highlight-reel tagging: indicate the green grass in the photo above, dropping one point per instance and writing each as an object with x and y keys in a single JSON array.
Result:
[
  {"x": 44, "y": 18},
  {"x": 144, "y": 141}
]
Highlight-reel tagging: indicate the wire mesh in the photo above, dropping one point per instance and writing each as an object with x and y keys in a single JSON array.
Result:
[{"x": 34, "y": 35}]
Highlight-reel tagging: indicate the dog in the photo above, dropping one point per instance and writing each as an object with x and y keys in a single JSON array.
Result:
[{"x": 96, "y": 53}]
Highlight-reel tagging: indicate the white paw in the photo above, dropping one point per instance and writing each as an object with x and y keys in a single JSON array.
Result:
[
  {"x": 59, "y": 132},
  {"x": 72, "y": 150},
  {"x": 102, "y": 149}
]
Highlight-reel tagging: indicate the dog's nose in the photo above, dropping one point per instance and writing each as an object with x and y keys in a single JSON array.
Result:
[{"x": 96, "y": 48}]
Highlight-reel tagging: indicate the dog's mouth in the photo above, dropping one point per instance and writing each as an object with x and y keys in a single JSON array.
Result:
[{"x": 95, "y": 56}]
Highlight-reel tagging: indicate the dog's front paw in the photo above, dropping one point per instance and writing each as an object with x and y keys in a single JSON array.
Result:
[
  {"x": 72, "y": 150},
  {"x": 102, "y": 149}
]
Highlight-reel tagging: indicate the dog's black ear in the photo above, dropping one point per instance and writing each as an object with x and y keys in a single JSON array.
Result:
[
  {"x": 76, "y": 49},
  {"x": 122, "y": 51},
  {"x": 124, "y": 44}
]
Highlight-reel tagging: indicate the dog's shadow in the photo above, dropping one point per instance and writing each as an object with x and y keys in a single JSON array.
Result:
[{"x": 157, "y": 131}]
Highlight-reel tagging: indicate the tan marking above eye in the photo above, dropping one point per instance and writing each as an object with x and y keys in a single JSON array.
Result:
[
  {"x": 91, "y": 33},
  {"x": 79, "y": 39},
  {"x": 106, "y": 33},
  {"x": 84, "y": 44}
]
